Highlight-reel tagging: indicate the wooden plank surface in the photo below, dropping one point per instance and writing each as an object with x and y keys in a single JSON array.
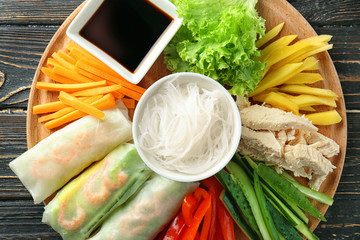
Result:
[{"x": 26, "y": 27}]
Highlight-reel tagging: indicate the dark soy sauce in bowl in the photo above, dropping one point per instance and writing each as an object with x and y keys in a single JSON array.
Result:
[{"x": 126, "y": 30}]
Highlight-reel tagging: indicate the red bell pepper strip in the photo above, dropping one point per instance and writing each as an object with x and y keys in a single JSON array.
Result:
[
  {"x": 197, "y": 236},
  {"x": 191, "y": 231},
  {"x": 200, "y": 194},
  {"x": 213, "y": 182},
  {"x": 189, "y": 206},
  {"x": 218, "y": 232},
  {"x": 226, "y": 222},
  {"x": 205, "y": 230},
  {"x": 176, "y": 227},
  {"x": 215, "y": 189}
]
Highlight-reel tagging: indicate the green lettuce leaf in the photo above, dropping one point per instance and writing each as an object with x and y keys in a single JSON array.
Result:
[{"x": 217, "y": 39}]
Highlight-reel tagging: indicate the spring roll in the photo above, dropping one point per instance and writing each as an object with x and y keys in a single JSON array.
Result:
[
  {"x": 83, "y": 203},
  {"x": 147, "y": 212},
  {"x": 52, "y": 162}
]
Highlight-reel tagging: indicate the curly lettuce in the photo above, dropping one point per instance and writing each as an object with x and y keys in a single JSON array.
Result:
[{"x": 217, "y": 39}]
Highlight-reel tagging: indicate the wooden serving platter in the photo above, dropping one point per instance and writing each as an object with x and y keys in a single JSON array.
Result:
[{"x": 275, "y": 12}]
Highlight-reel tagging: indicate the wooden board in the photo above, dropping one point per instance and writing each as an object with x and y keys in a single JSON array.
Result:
[{"x": 274, "y": 11}]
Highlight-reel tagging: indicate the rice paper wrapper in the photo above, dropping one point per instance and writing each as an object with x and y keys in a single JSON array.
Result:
[
  {"x": 52, "y": 162},
  {"x": 83, "y": 203},
  {"x": 147, "y": 212}
]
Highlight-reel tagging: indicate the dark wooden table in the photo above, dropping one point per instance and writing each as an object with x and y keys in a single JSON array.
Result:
[{"x": 26, "y": 27}]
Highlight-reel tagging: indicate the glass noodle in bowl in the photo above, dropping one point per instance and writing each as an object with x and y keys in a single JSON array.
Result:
[{"x": 186, "y": 127}]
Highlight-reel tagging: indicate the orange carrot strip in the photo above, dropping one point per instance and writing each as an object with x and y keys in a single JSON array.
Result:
[
  {"x": 130, "y": 93},
  {"x": 56, "y": 77},
  {"x": 104, "y": 103},
  {"x": 70, "y": 74},
  {"x": 88, "y": 74},
  {"x": 118, "y": 80},
  {"x": 81, "y": 54},
  {"x": 48, "y": 107},
  {"x": 97, "y": 91},
  {"x": 117, "y": 95},
  {"x": 67, "y": 110},
  {"x": 80, "y": 105},
  {"x": 56, "y": 114},
  {"x": 62, "y": 61},
  {"x": 67, "y": 57},
  {"x": 69, "y": 87},
  {"x": 50, "y": 62},
  {"x": 129, "y": 103}
]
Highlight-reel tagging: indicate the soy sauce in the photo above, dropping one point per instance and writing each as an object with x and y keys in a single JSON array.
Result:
[{"x": 126, "y": 29}]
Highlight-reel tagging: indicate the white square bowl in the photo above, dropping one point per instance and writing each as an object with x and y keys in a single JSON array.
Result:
[{"x": 90, "y": 8}]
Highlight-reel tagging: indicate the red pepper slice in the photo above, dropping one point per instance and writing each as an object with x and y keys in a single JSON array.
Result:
[
  {"x": 205, "y": 230},
  {"x": 200, "y": 194},
  {"x": 176, "y": 227},
  {"x": 215, "y": 189},
  {"x": 219, "y": 235},
  {"x": 213, "y": 182},
  {"x": 226, "y": 222},
  {"x": 198, "y": 217},
  {"x": 189, "y": 206}
]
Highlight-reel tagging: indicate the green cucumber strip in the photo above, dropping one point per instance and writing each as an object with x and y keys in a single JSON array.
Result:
[
  {"x": 296, "y": 210},
  {"x": 310, "y": 193},
  {"x": 237, "y": 194},
  {"x": 288, "y": 214},
  {"x": 241, "y": 178},
  {"x": 250, "y": 162},
  {"x": 282, "y": 207},
  {"x": 235, "y": 213},
  {"x": 288, "y": 191},
  {"x": 263, "y": 207},
  {"x": 285, "y": 229},
  {"x": 301, "y": 227},
  {"x": 293, "y": 207}
]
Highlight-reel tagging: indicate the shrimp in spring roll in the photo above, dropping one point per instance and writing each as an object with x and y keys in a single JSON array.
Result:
[
  {"x": 83, "y": 203},
  {"x": 147, "y": 212},
  {"x": 52, "y": 162}
]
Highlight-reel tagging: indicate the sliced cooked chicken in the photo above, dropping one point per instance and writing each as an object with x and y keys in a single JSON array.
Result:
[
  {"x": 260, "y": 145},
  {"x": 264, "y": 118},
  {"x": 323, "y": 144}
]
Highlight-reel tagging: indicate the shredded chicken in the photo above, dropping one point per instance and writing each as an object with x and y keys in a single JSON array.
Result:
[{"x": 286, "y": 141}]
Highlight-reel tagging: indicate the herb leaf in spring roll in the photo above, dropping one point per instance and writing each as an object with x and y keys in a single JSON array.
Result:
[
  {"x": 147, "y": 212},
  {"x": 56, "y": 159},
  {"x": 83, "y": 203}
]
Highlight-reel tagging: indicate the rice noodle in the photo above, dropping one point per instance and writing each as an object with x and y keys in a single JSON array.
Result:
[{"x": 185, "y": 127}]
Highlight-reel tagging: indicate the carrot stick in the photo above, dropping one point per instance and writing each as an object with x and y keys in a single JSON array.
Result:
[
  {"x": 56, "y": 77},
  {"x": 97, "y": 91},
  {"x": 80, "y": 105},
  {"x": 129, "y": 103},
  {"x": 67, "y": 57},
  {"x": 88, "y": 74},
  {"x": 50, "y": 62},
  {"x": 118, "y": 95},
  {"x": 130, "y": 93},
  {"x": 56, "y": 114},
  {"x": 69, "y": 87},
  {"x": 81, "y": 54},
  {"x": 63, "y": 62},
  {"x": 67, "y": 110},
  {"x": 48, "y": 107},
  {"x": 70, "y": 74},
  {"x": 118, "y": 80},
  {"x": 104, "y": 103}
]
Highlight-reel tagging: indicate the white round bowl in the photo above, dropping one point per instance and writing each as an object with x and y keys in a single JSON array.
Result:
[{"x": 203, "y": 82}]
